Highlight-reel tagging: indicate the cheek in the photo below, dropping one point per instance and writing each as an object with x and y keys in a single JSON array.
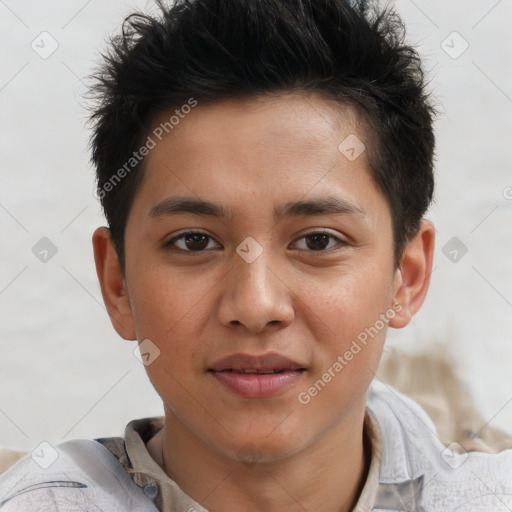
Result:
[
  {"x": 354, "y": 313},
  {"x": 173, "y": 326},
  {"x": 347, "y": 362},
  {"x": 349, "y": 301},
  {"x": 165, "y": 301},
  {"x": 172, "y": 316}
]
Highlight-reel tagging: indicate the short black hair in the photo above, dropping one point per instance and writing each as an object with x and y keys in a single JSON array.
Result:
[{"x": 210, "y": 50}]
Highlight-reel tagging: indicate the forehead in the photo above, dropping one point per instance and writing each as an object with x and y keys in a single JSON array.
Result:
[
  {"x": 254, "y": 149},
  {"x": 273, "y": 121}
]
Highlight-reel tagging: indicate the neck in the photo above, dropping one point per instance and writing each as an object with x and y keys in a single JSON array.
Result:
[{"x": 328, "y": 475}]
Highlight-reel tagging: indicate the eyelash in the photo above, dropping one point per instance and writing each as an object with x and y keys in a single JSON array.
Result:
[{"x": 171, "y": 242}]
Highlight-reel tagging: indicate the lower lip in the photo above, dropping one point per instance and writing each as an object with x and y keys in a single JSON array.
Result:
[{"x": 252, "y": 385}]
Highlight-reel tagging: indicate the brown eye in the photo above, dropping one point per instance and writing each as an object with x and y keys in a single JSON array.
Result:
[
  {"x": 191, "y": 241},
  {"x": 196, "y": 242},
  {"x": 317, "y": 242},
  {"x": 320, "y": 241}
]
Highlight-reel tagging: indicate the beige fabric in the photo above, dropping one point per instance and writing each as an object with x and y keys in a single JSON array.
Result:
[
  {"x": 145, "y": 470},
  {"x": 9, "y": 457},
  {"x": 371, "y": 486},
  {"x": 134, "y": 456},
  {"x": 431, "y": 380}
]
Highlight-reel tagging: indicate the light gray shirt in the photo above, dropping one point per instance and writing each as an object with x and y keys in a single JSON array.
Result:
[{"x": 410, "y": 470}]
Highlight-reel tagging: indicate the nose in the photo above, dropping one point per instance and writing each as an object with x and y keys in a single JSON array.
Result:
[{"x": 256, "y": 295}]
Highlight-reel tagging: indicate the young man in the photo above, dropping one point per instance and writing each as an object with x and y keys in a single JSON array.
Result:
[{"x": 264, "y": 167}]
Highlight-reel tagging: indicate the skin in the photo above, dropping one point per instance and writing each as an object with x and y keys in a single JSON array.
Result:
[{"x": 308, "y": 305}]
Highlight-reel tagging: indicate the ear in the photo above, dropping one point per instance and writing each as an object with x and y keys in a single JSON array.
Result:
[
  {"x": 113, "y": 286},
  {"x": 413, "y": 277}
]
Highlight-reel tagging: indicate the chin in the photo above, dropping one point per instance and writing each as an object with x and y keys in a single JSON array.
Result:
[{"x": 256, "y": 445}]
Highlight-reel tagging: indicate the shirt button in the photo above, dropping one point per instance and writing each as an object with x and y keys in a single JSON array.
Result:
[{"x": 151, "y": 490}]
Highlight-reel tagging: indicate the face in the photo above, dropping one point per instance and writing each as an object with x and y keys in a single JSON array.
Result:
[{"x": 259, "y": 262}]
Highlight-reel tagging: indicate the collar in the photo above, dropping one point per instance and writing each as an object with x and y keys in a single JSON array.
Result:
[
  {"x": 169, "y": 496},
  {"x": 392, "y": 484}
]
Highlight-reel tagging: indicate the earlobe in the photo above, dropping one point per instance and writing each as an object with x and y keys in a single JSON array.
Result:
[
  {"x": 413, "y": 276},
  {"x": 112, "y": 283}
]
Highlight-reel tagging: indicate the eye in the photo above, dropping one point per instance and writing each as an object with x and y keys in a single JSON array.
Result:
[
  {"x": 197, "y": 241},
  {"x": 191, "y": 241},
  {"x": 319, "y": 241}
]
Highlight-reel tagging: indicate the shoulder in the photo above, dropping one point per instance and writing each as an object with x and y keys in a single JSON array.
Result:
[
  {"x": 76, "y": 475},
  {"x": 450, "y": 478}
]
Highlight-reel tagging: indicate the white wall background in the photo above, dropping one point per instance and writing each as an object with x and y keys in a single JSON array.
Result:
[{"x": 64, "y": 372}]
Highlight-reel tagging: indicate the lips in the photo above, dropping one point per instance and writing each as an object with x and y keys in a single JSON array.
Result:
[
  {"x": 257, "y": 376},
  {"x": 256, "y": 364}
]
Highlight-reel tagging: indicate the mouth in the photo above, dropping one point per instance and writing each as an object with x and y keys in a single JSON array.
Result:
[
  {"x": 246, "y": 363},
  {"x": 258, "y": 371},
  {"x": 257, "y": 376}
]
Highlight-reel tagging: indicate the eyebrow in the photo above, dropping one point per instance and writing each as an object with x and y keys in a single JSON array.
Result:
[{"x": 330, "y": 205}]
